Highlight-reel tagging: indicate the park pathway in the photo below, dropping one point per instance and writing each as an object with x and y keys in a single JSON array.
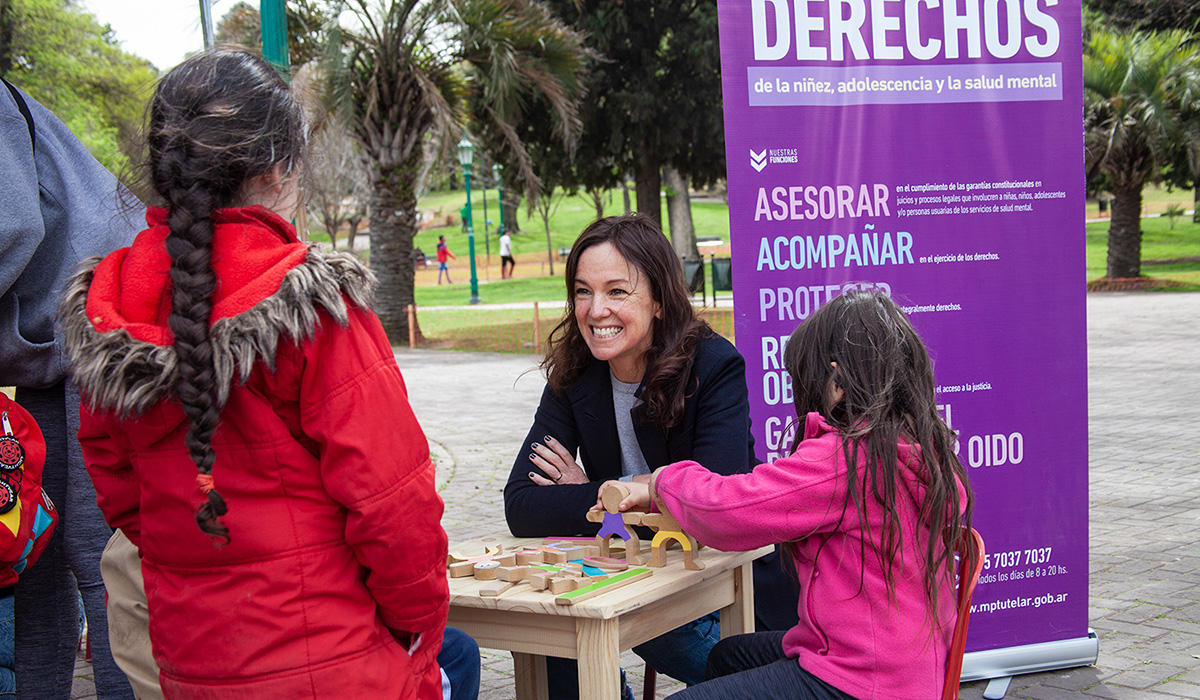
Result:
[{"x": 1144, "y": 416}]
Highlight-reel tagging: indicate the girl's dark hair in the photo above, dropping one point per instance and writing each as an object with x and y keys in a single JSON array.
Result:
[
  {"x": 217, "y": 120},
  {"x": 673, "y": 336},
  {"x": 887, "y": 376}
]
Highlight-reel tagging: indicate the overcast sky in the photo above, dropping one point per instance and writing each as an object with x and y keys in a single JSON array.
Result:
[{"x": 161, "y": 31}]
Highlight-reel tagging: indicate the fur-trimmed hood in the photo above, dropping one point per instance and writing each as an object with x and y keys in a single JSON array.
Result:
[{"x": 270, "y": 286}]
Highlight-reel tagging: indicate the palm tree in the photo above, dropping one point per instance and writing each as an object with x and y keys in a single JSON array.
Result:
[
  {"x": 405, "y": 83},
  {"x": 1140, "y": 91}
]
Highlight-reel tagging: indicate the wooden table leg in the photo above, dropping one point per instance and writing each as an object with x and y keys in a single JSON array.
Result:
[
  {"x": 738, "y": 618},
  {"x": 599, "y": 659},
  {"x": 530, "y": 672}
]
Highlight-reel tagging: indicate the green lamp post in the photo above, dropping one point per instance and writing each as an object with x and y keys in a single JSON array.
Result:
[
  {"x": 466, "y": 155},
  {"x": 496, "y": 170}
]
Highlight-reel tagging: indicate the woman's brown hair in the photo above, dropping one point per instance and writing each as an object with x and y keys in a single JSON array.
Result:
[
  {"x": 217, "y": 120},
  {"x": 673, "y": 335}
]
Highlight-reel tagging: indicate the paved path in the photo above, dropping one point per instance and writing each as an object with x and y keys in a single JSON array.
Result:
[{"x": 1144, "y": 407}]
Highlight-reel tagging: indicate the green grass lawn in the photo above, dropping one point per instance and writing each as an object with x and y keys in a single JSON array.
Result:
[{"x": 1159, "y": 242}]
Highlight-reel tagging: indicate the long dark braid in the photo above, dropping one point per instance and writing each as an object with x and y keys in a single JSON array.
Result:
[{"x": 217, "y": 120}]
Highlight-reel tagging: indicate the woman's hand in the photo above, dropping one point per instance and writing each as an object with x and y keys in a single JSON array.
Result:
[
  {"x": 638, "y": 498},
  {"x": 558, "y": 464}
]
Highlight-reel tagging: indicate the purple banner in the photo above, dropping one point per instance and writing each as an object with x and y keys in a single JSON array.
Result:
[{"x": 935, "y": 151}]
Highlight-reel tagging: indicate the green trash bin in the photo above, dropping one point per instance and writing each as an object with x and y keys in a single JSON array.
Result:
[
  {"x": 722, "y": 274},
  {"x": 693, "y": 274}
]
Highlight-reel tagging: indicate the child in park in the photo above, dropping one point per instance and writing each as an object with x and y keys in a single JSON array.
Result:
[
  {"x": 246, "y": 425},
  {"x": 444, "y": 255},
  {"x": 869, "y": 505}
]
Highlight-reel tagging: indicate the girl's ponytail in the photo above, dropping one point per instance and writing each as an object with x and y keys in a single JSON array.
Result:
[
  {"x": 217, "y": 121},
  {"x": 190, "y": 247}
]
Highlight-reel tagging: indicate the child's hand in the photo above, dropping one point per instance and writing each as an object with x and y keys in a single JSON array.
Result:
[{"x": 638, "y": 498}]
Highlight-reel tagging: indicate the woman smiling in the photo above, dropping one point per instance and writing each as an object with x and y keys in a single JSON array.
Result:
[{"x": 634, "y": 381}]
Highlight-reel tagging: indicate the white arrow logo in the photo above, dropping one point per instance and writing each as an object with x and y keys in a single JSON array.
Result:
[{"x": 758, "y": 160}]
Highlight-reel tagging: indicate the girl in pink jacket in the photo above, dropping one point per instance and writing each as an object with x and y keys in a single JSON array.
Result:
[{"x": 869, "y": 506}]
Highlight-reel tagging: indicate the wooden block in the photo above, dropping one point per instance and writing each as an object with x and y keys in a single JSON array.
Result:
[
  {"x": 573, "y": 551},
  {"x": 567, "y": 540},
  {"x": 553, "y": 555},
  {"x": 529, "y": 556},
  {"x": 509, "y": 559},
  {"x": 514, "y": 573},
  {"x": 611, "y": 583},
  {"x": 462, "y": 569},
  {"x": 563, "y": 584},
  {"x": 540, "y": 581},
  {"x": 611, "y": 497},
  {"x": 491, "y": 589},
  {"x": 606, "y": 563},
  {"x": 486, "y": 570},
  {"x": 488, "y": 553}
]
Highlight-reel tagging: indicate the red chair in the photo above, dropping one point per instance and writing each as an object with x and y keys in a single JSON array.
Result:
[{"x": 969, "y": 569}]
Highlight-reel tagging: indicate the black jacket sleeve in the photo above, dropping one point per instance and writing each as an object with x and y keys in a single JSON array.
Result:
[{"x": 543, "y": 511}]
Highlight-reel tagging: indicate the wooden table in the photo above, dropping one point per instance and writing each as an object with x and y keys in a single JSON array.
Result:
[{"x": 532, "y": 626}]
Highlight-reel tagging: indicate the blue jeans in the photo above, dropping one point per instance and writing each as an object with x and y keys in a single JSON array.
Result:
[
  {"x": 459, "y": 659},
  {"x": 8, "y": 680},
  {"x": 681, "y": 654}
]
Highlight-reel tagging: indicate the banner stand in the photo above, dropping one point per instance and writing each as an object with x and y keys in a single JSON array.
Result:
[{"x": 1003, "y": 664}]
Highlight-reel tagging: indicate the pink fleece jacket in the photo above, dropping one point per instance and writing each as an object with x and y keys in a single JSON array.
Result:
[{"x": 850, "y": 634}]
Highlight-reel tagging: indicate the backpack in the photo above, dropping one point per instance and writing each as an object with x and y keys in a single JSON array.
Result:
[{"x": 27, "y": 516}]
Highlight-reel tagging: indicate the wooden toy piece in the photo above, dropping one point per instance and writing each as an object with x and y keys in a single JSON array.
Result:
[
  {"x": 594, "y": 589},
  {"x": 614, "y": 523},
  {"x": 526, "y": 557},
  {"x": 573, "y": 552},
  {"x": 563, "y": 584},
  {"x": 462, "y": 569},
  {"x": 491, "y": 589},
  {"x": 509, "y": 559},
  {"x": 540, "y": 580},
  {"x": 667, "y": 530},
  {"x": 489, "y": 552},
  {"x": 514, "y": 573},
  {"x": 606, "y": 563},
  {"x": 486, "y": 570},
  {"x": 553, "y": 555},
  {"x": 579, "y": 550}
]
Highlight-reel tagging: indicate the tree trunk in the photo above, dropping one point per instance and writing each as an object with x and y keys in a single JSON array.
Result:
[
  {"x": 330, "y": 221},
  {"x": 512, "y": 203},
  {"x": 393, "y": 225},
  {"x": 354, "y": 222},
  {"x": 648, "y": 185},
  {"x": 549, "y": 246},
  {"x": 679, "y": 214},
  {"x": 1125, "y": 233},
  {"x": 625, "y": 193},
  {"x": 1196, "y": 203},
  {"x": 598, "y": 201}
]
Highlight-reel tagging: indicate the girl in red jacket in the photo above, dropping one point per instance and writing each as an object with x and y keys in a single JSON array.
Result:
[
  {"x": 234, "y": 379},
  {"x": 870, "y": 504}
]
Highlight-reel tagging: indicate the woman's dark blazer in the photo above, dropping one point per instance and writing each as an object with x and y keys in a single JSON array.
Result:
[{"x": 715, "y": 431}]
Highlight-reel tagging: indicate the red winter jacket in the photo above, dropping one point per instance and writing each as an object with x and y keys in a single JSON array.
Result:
[{"x": 337, "y": 551}]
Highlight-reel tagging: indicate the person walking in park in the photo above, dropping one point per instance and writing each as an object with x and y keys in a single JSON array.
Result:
[
  {"x": 245, "y": 423},
  {"x": 443, "y": 256},
  {"x": 58, "y": 205},
  {"x": 507, "y": 264}
]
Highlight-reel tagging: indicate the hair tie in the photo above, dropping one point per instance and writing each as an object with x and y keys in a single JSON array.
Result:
[{"x": 205, "y": 482}]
